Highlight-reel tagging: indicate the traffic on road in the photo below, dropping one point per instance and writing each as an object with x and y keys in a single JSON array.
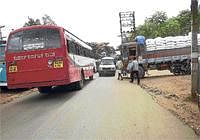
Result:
[
  {"x": 78, "y": 76},
  {"x": 115, "y": 110}
]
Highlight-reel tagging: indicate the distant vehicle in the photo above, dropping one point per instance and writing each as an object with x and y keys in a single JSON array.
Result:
[
  {"x": 3, "y": 82},
  {"x": 107, "y": 66},
  {"x": 46, "y": 56}
]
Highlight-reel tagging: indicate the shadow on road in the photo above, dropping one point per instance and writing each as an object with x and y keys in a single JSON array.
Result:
[
  {"x": 5, "y": 90},
  {"x": 58, "y": 94}
]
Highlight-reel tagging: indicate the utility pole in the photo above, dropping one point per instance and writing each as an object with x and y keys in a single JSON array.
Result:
[
  {"x": 194, "y": 49},
  {"x": 1, "y": 37}
]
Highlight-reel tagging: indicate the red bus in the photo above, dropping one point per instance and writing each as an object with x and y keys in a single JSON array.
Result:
[{"x": 45, "y": 56}]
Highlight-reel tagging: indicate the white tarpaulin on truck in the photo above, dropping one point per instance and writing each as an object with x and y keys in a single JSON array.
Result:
[{"x": 169, "y": 42}]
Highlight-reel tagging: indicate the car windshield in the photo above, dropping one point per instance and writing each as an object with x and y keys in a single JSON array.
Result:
[
  {"x": 34, "y": 39},
  {"x": 107, "y": 62}
]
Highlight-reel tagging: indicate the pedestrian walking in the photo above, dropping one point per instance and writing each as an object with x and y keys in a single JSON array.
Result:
[
  {"x": 140, "y": 40},
  {"x": 119, "y": 66},
  {"x": 135, "y": 71}
]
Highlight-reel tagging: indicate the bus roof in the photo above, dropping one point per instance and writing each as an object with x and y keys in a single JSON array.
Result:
[
  {"x": 35, "y": 27},
  {"x": 71, "y": 36}
]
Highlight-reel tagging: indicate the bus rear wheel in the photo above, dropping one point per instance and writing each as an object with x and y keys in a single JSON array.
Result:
[
  {"x": 79, "y": 84},
  {"x": 91, "y": 77},
  {"x": 45, "y": 89}
]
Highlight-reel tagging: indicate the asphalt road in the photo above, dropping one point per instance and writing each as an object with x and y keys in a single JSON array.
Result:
[{"x": 104, "y": 109}]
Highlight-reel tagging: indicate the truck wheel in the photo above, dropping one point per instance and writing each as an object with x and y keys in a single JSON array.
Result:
[
  {"x": 141, "y": 72},
  {"x": 45, "y": 89}
]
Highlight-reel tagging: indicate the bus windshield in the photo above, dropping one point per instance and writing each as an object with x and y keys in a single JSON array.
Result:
[{"x": 34, "y": 39}]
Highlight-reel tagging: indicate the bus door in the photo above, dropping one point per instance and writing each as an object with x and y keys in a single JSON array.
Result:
[{"x": 72, "y": 59}]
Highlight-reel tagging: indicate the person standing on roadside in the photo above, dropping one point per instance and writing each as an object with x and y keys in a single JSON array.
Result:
[
  {"x": 119, "y": 66},
  {"x": 140, "y": 40},
  {"x": 135, "y": 71}
]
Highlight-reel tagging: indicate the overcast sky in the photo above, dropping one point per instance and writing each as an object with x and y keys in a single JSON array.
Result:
[{"x": 91, "y": 20}]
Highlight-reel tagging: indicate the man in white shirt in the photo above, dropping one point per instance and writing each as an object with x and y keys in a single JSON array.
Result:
[
  {"x": 135, "y": 71},
  {"x": 119, "y": 66}
]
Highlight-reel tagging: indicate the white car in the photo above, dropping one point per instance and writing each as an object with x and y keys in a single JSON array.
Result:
[{"x": 107, "y": 66}]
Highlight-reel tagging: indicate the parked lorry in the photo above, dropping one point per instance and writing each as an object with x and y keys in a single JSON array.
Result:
[{"x": 170, "y": 53}]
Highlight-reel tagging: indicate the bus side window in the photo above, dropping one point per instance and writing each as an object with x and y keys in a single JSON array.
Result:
[
  {"x": 70, "y": 47},
  {"x": 88, "y": 53},
  {"x": 67, "y": 45},
  {"x": 84, "y": 52},
  {"x": 77, "y": 49},
  {"x": 80, "y": 50}
]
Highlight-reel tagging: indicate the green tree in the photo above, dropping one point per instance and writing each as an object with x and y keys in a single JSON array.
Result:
[
  {"x": 47, "y": 20},
  {"x": 98, "y": 49},
  {"x": 170, "y": 28},
  {"x": 147, "y": 29},
  {"x": 32, "y": 22},
  {"x": 153, "y": 25},
  {"x": 157, "y": 18},
  {"x": 158, "y": 25},
  {"x": 184, "y": 19}
]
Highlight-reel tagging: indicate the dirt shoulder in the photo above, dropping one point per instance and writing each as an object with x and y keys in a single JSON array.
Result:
[
  {"x": 173, "y": 93},
  {"x": 10, "y": 95}
]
